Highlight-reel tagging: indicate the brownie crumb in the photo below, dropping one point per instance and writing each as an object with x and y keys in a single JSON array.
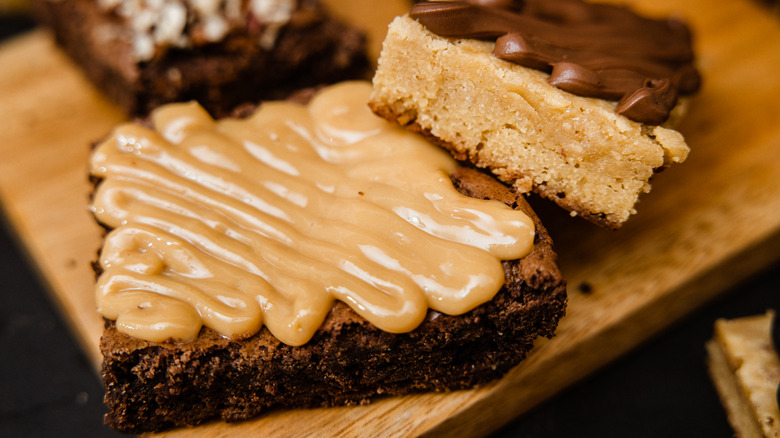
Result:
[{"x": 585, "y": 288}]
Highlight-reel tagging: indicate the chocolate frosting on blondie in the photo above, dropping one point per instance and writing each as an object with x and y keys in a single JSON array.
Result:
[{"x": 590, "y": 50}]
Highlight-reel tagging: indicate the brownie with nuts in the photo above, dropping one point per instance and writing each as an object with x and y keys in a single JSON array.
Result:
[{"x": 222, "y": 54}]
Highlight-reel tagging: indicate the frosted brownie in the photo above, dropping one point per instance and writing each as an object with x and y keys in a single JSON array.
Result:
[
  {"x": 144, "y": 53},
  {"x": 569, "y": 99},
  {"x": 305, "y": 256},
  {"x": 744, "y": 365}
]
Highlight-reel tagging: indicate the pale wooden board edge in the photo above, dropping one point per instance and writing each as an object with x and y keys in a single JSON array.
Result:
[{"x": 467, "y": 412}]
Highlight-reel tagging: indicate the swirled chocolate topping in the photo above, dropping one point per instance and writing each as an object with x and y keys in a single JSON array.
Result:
[{"x": 591, "y": 50}]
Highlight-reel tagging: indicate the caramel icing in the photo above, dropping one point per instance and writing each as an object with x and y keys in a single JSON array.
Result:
[
  {"x": 591, "y": 50},
  {"x": 236, "y": 224}
]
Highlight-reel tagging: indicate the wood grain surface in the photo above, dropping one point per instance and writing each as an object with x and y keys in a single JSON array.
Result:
[{"x": 707, "y": 224}]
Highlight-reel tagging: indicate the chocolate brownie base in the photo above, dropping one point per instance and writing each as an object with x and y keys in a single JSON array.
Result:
[
  {"x": 155, "y": 386},
  {"x": 311, "y": 49}
]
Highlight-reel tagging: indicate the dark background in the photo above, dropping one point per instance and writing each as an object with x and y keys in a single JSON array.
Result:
[{"x": 661, "y": 389}]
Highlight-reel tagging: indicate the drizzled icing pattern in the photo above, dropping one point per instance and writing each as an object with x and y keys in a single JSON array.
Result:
[
  {"x": 236, "y": 224},
  {"x": 591, "y": 50}
]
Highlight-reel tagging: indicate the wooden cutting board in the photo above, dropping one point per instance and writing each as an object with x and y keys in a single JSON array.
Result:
[{"x": 708, "y": 223}]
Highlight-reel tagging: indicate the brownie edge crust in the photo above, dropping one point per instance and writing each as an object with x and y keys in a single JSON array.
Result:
[{"x": 156, "y": 386}]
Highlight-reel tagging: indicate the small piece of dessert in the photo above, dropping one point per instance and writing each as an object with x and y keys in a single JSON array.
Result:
[
  {"x": 569, "y": 99},
  {"x": 744, "y": 365},
  {"x": 307, "y": 255},
  {"x": 144, "y": 53}
]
